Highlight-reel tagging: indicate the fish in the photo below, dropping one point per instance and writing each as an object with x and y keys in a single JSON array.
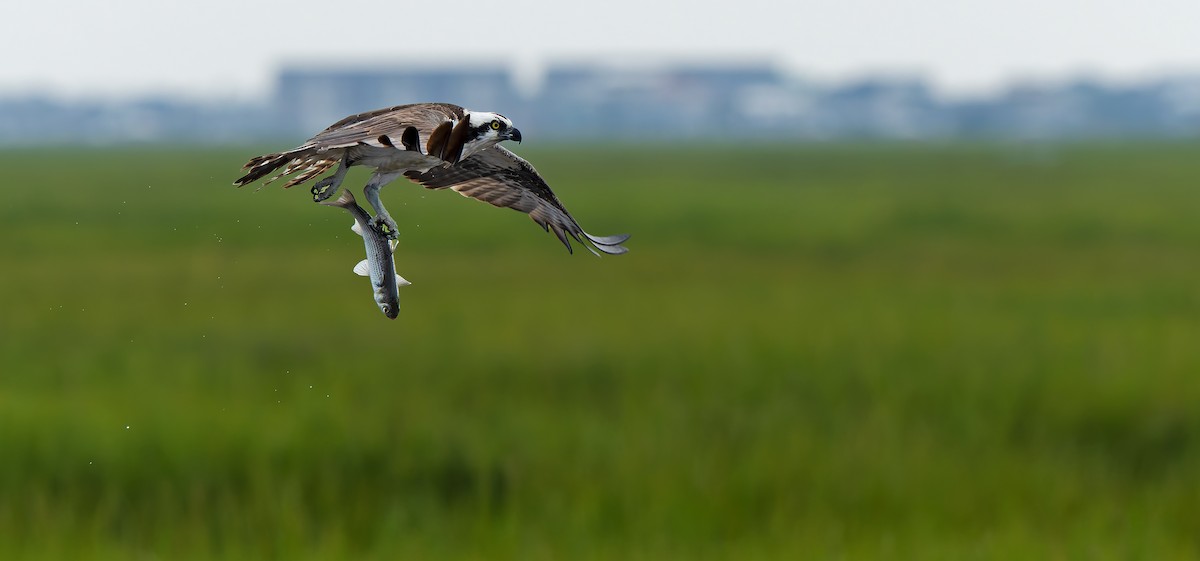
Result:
[{"x": 379, "y": 265}]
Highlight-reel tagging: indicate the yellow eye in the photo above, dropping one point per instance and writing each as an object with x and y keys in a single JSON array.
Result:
[{"x": 495, "y": 125}]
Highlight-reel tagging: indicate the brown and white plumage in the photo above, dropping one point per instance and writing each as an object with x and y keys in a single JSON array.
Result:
[
  {"x": 460, "y": 154},
  {"x": 373, "y": 129},
  {"x": 498, "y": 177}
]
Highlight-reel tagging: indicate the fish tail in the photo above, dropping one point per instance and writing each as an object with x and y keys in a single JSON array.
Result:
[{"x": 344, "y": 201}]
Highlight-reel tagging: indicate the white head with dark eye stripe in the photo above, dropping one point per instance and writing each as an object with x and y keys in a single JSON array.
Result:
[{"x": 488, "y": 129}]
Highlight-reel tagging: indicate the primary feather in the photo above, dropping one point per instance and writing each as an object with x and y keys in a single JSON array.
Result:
[{"x": 498, "y": 177}]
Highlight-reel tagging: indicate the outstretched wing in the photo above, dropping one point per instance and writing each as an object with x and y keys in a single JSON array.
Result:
[
  {"x": 390, "y": 122},
  {"x": 379, "y": 128},
  {"x": 501, "y": 178}
]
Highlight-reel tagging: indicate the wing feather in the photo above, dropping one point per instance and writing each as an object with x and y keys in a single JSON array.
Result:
[
  {"x": 372, "y": 128},
  {"x": 498, "y": 177},
  {"x": 391, "y": 121}
]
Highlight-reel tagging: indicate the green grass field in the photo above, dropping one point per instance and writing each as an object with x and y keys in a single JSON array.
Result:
[{"x": 810, "y": 352}]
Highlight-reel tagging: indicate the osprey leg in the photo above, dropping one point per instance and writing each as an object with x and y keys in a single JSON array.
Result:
[
  {"x": 325, "y": 188},
  {"x": 382, "y": 222}
]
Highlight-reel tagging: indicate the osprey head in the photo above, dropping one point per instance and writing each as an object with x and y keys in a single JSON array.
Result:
[
  {"x": 477, "y": 130},
  {"x": 487, "y": 129}
]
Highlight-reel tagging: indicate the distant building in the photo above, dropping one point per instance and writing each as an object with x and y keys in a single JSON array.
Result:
[
  {"x": 719, "y": 102},
  {"x": 892, "y": 108},
  {"x": 631, "y": 103}
]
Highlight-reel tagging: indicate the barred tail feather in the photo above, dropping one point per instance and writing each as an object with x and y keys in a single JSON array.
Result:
[
  {"x": 260, "y": 166},
  {"x": 307, "y": 166},
  {"x": 312, "y": 168}
]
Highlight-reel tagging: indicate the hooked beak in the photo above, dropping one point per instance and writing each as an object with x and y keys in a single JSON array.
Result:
[{"x": 514, "y": 134}]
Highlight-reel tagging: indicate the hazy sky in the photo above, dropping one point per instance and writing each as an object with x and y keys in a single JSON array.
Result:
[{"x": 231, "y": 48}]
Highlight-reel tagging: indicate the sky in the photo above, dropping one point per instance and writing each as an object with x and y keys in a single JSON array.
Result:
[{"x": 231, "y": 49}]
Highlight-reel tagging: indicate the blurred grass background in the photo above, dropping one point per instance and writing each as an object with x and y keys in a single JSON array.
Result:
[{"x": 811, "y": 352}]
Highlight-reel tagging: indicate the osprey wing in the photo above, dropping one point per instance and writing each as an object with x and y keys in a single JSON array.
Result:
[
  {"x": 370, "y": 126},
  {"x": 382, "y": 127},
  {"x": 501, "y": 178}
]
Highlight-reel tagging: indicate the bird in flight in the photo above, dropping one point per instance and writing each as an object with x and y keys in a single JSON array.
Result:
[{"x": 461, "y": 153}]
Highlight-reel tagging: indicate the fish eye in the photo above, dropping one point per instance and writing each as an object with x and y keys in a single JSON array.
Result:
[{"x": 495, "y": 124}]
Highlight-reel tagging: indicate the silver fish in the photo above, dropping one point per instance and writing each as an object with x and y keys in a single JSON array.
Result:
[{"x": 379, "y": 264}]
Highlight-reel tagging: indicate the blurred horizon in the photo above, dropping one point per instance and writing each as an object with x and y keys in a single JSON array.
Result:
[
  {"x": 528, "y": 75},
  {"x": 921, "y": 69},
  {"x": 619, "y": 99}
]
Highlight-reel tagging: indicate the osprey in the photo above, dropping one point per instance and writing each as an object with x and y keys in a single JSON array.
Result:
[{"x": 461, "y": 154}]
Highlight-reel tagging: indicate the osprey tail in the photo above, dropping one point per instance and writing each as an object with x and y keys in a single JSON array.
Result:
[{"x": 303, "y": 160}]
